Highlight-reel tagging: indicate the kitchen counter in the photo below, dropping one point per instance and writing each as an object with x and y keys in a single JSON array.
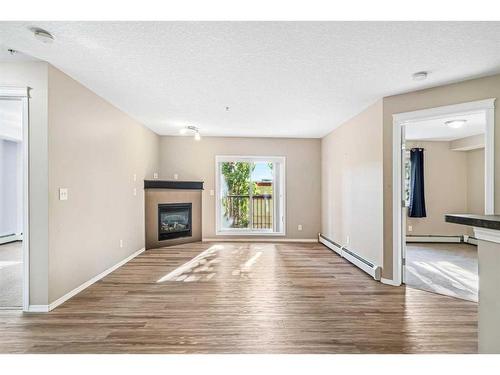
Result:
[
  {"x": 479, "y": 221},
  {"x": 487, "y": 232}
]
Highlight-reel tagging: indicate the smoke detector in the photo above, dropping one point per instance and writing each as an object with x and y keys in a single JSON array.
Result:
[{"x": 419, "y": 76}]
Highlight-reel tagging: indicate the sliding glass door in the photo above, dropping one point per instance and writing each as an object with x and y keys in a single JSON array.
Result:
[{"x": 250, "y": 195}]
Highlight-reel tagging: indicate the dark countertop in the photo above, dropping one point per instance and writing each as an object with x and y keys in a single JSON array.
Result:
[{"x": 482, "y": 221}]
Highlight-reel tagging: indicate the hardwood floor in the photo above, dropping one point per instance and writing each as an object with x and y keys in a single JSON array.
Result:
[{"x": 244, "y": 298}]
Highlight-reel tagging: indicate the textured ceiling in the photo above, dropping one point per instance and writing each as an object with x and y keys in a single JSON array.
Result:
[{"x": 280, "y": 79}]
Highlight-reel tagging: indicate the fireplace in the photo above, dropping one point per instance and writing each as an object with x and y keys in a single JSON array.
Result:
[{"x": 174, "y": 220}]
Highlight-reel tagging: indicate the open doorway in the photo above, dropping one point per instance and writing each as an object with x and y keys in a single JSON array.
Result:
[
  {"x": 13, "y": 151},
  {"x": 443, "y": 165}
]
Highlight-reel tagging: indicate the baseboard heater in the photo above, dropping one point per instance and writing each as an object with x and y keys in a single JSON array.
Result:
[
  {"x": 441, "y": 239},
  {"x": 371, "y": 269}
]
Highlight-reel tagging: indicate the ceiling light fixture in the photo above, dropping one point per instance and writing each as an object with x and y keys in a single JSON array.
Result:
[
  {"x": 419, "y": 76},
  {"x": 191, "y": 128},
  {"x": 43, "y": 36},
  {"x": 12, "y": 51},
  {"x": 455, "y": 124}
]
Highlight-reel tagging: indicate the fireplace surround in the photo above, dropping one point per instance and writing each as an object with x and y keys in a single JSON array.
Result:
[
  {"x": 174, "y": 220},
  {"x": 172, "y": 212}
]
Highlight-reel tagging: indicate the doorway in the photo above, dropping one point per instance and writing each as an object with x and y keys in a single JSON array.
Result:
[
  {"x": 443, "y": 163},
  {"x": 14, "y": 254}
]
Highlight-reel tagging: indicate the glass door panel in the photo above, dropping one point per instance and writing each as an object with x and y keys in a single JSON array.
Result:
[
  {"x": 262, "y": 195},
  {"x": 235, "y": 186}
]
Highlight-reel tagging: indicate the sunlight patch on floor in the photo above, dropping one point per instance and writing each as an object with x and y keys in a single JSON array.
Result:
[{"x": 199, "y": 263}]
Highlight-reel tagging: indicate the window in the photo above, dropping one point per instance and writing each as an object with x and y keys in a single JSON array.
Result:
[
  {"x": 407, "y": 174},
  {"x": 250, "y": 195}
]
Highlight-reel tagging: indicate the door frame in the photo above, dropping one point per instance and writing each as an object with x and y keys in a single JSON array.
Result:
[
  {"x": 22, "y": 94},
  {"x": 487, "y": 107}
]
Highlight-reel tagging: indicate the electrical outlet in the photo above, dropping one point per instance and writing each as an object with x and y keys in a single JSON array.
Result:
[
  {"x": 63, "y": 194},
  {"x": 176, "y": 176},
  {"x": 121, "y": 243},
  {"x": 299, "y": 227},
  {"x": 155, "y": 176},
  {"x": 135, "y": 192},
  {"x": 212, "y": 192},
  {"x": 410, "y": 228},
  {"x": 135, "y": 177},
  {"x": 347, "y": 240}
]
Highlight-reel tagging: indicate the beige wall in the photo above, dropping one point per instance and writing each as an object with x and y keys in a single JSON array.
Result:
[
  {"x": 352, "y": 194},
  {"x": 475, "y": 181},
  {"x": 94, "y": 150},
  {"x": 35, "y": 75},
  {"x": 475, "y": 89},
  {"x": 445, "y": 176},
  {"x": 193, "y": 160}
]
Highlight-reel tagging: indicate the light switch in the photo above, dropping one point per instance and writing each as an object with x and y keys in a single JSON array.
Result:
[
  {"x": 135, "y": 177},
  {"x": 135, "y": 192},
  {"x": 212, "y": 192},
  {"x": 63, "y": 194}
]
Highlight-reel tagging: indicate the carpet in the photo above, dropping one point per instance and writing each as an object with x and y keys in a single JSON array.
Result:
[
  {"x": 449, "y": 269},
  {"x": 11, "y": 275}
]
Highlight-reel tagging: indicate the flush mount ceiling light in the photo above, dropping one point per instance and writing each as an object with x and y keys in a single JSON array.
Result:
[
  {"x": 419, "y": 76},
  {"x": 455, "y": 124},
  {"x": 192, "y": 129},
  {"x": 43, "y": 36}
]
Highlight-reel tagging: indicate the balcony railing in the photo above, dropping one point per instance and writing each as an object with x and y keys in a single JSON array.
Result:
[{"x": 239, "y": 208}]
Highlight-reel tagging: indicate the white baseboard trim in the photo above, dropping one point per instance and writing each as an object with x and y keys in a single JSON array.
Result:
[
  {"x": 12, "y": 238},
  {"x": 38, "y": 308},
  {"x": 259, "y": 240},
  {"x": 389, "y": 282},
  {"x": 444, "y": 239},
  {"x": 88, "y": 283},
  {"x": 472, "y": 241}
]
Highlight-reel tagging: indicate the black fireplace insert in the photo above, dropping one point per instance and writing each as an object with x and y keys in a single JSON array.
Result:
[{"x": 174, "y": 220}]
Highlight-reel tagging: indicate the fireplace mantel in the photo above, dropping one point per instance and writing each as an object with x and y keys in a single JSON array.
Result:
[{"x": 183, "y": 185}]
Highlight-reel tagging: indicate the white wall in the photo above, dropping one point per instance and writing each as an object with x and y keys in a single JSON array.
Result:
[
  {"x": 11, "y": 187},
  {"x": 351, "y": 184}
]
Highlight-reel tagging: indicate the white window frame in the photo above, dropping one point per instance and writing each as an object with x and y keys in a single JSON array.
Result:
[{"x": 281, "y": 202}]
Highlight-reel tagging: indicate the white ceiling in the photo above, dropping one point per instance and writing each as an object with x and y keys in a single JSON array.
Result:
[
  {"x": 288, "y": 79},
  {"x": 436, "y": 130},
  {"x": 6, "y": 56}
]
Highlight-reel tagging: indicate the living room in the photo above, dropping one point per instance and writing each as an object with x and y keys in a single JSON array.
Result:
[{"x": 232, "y": 187}]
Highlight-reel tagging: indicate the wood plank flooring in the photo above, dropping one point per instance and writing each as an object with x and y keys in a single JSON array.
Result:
[{"x": 244, "y": 298}]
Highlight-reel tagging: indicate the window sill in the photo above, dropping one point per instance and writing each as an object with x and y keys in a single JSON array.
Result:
[{"x": 248, "y": 233}]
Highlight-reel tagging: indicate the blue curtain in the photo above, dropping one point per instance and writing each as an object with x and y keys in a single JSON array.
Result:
[{"x": 417, "y": 196}]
